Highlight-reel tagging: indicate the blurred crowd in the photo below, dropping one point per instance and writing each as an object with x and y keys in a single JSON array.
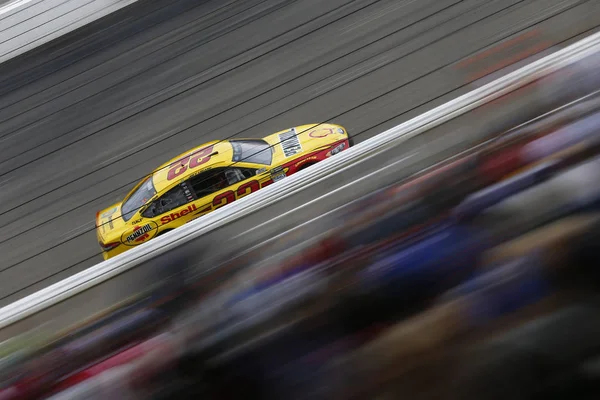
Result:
[{"x": 475, "y": 279}]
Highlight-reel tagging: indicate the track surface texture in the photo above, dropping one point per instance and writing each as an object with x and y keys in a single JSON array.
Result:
[{"x": 83, "y": 118}]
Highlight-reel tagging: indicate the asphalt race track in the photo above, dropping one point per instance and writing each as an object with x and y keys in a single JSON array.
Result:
[{"x": 82, "y": 119}]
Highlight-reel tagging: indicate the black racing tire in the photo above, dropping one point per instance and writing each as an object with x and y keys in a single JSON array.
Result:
[
  {"x": 163, "y": 232},
  {"x": 305, "y": 166}
]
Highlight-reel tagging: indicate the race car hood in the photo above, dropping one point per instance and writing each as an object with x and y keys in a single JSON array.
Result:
[
  {"x": 109, "y": 224},
  {"x": 290, "y": 143}
]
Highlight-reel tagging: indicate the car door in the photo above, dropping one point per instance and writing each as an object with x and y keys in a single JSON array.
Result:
[
  {"x": 173, "y": 208},
  {"x": 221, "y": 186},
  {"x": 201, "y": 194}
]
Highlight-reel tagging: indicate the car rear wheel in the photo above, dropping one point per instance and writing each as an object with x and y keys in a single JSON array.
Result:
[{"x": 305, "y": 166}]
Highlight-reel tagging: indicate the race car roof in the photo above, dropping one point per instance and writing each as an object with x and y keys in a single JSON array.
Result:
[{"x": 207, "y": 156}]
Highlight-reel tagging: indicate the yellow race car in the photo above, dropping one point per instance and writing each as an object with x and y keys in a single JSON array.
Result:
[{"x": 209, "y": 177}]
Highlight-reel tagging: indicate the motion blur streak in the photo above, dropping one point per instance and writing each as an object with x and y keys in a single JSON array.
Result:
[
  {"x": 478, "y": 273},
  {"x": 114, "y": 52}
]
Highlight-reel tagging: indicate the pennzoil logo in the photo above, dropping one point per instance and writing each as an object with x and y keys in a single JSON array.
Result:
[{"x": 140, "y": 234}]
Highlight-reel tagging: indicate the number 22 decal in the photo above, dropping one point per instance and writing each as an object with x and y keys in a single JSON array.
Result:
[
  {"x": 192, "y": 161},
  {"x": 230, "y": 196}
]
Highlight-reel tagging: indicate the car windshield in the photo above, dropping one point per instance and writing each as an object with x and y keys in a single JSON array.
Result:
[
  {"x": 252, "y": 151},
  {"x": 137, "y": 199}
]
